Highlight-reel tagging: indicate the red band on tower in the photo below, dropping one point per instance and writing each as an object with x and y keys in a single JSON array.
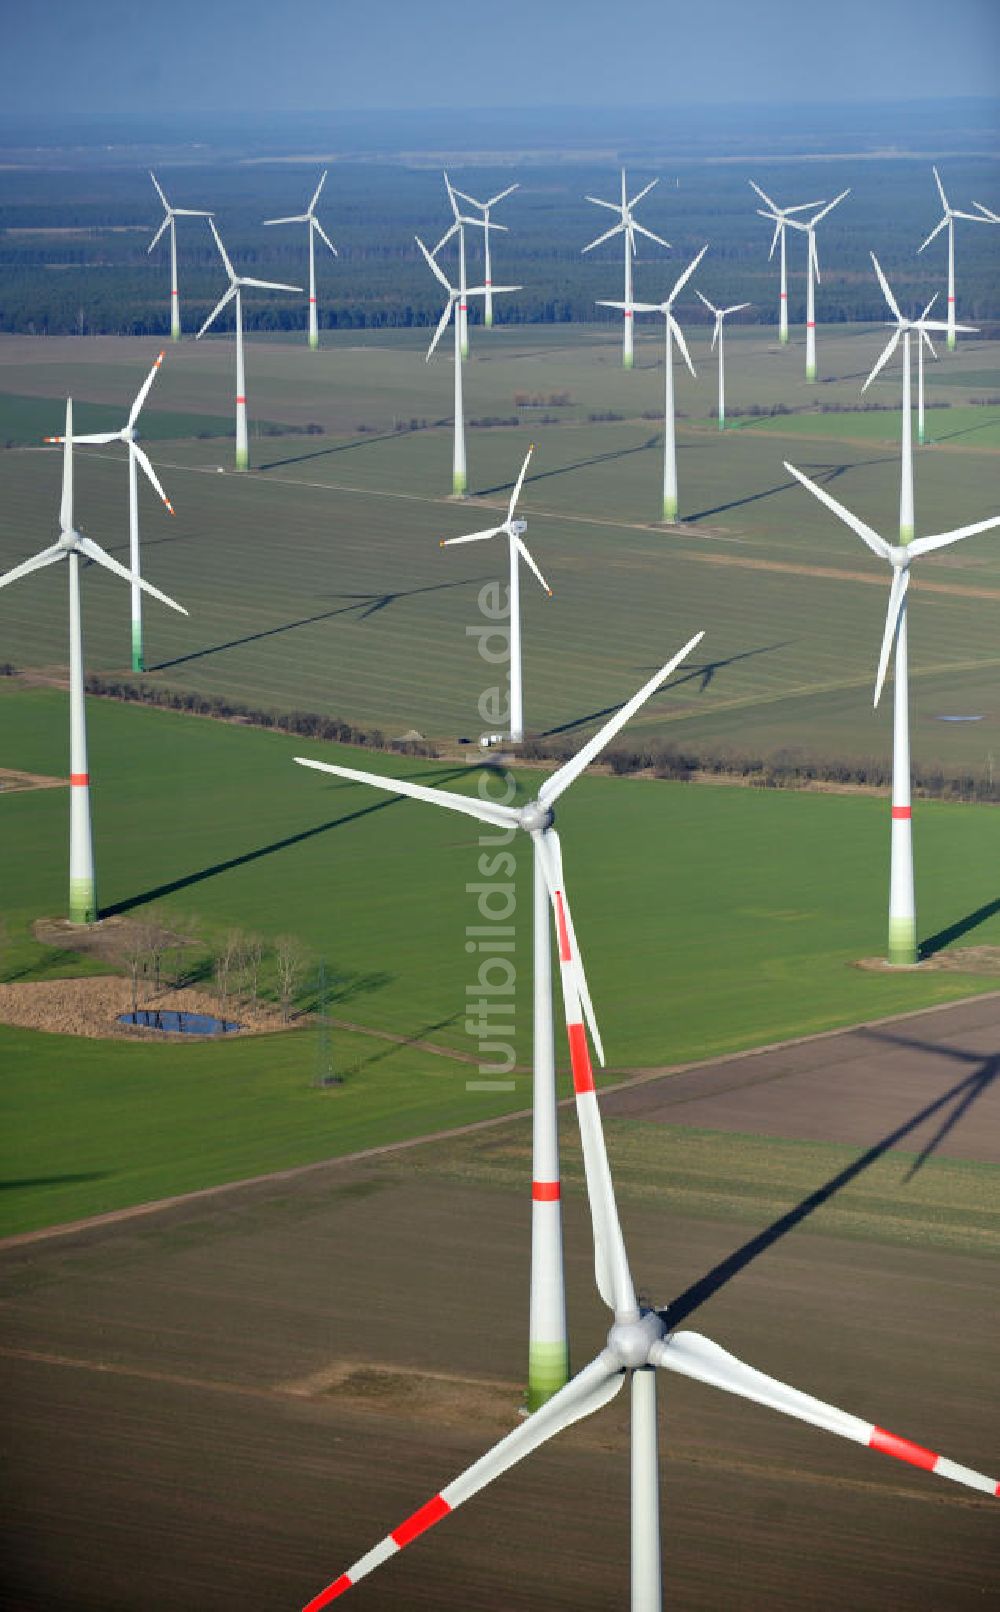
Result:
[
  {"x": 421, "y": 1520},
  {"x": 242, "y": 400},
  {"x": 901, "y": 814},
  {"x": 546, "y": 1191},
  {"x": 80, "y": 780}
]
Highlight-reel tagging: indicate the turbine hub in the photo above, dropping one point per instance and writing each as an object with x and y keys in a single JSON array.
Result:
[
  {"x": 517, "y": 528},
  {"x": 68, "y": 538},
  {"x": 632, "y": 1340},
  {"x": 899, "y": 558},
  {"x": 536, "y": 818}
]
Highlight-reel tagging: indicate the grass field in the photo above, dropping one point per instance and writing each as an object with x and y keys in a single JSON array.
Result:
[{"x": 711, "y": 918}]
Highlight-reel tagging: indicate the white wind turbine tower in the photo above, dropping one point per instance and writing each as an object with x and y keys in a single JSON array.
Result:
[
  {"x": 904, "y": 328},
  {"x": 813, "y": 277},
  {"x": 136, "y": 457},
  {"x": 780, "y": 217},
  {"x": 487, "y": 226},
  {"x": 170, "y": 213},
  {"x": 548, "y": 1350},
  {"x": 718, "y": 335},
  {"x": 456, "y": 295},
  {"x": 672, "y": 329},
  {"x": 236, "y": 284},
  {"x": 514, "y": 532},
  {"x": 628, "y": 228},
  {"x": 902, "y": 904},
  {"x": 71, "y": 545},
  {"x": 639, "y": 1341},
  {"x": 948, "y": 221},
  {"x": 315, "y": 228}
]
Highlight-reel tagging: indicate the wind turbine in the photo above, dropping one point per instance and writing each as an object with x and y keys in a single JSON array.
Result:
[
  {"x": 236, "y": 284},
  {"x": 457, "y": 227},
  {"x": 170, "y": 213},
  {"x": 627, "y": 227},
  {"x": 315, "y": 228},
  {"x": 71, "y": 545},
  {"x": 548, "y": 1352},
  {"x": 638, "y": 1344},
  {"x": 948, "y": 220},
  {"x": 456, "y": 295},
  {"x": 487, "y": 226},
  {"x": 719, "y": 336},
  {"x": 902, "y": 906},
  {"x": 672, "y": 329},
  {"x": 813, "y": 277},
  {"x": 902, "y": 332},
  {"x": 780, "y": 217},
  {"x": 514, "y": 532},
  {"x": 136, "y": 457}
]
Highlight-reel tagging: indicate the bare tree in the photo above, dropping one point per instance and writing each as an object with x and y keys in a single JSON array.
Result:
[
  {"x": 290, "y": 958},
  {"x": 226, "y": 964},
  {"x": 132, "y": 949},
  {"x": 253, "y": 952}
]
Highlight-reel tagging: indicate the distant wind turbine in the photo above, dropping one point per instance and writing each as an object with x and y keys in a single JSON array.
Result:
[
  {"x": 236, "y": 285},
  {"x": 672, "y": 329},
  {"x": 457, "y": 227},
  {"x": 948, "y": 222},
  {"x": 780, "y": 217},
  {"x": 813, "y": 277},
  {"x": 136, "y": 457},
  {"x": 71, "y": 545},
  {"x": 314, "y": 228},
  {"x": 718, "y": 335},
  {"x": 487, "y": 226},
  {"x": 629, "y": 229},
  {"x": 170, "y": 213}
]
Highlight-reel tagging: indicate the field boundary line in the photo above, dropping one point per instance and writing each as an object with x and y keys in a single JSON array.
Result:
[{"x": 634, "y": 1077}]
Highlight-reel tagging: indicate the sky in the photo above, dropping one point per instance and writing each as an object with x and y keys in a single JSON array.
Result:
[{"x": 116, "y": 56}]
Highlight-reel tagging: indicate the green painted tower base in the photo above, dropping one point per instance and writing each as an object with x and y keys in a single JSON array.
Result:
[
  {"x": 628, "y": 360},
  {"x": 952, "y": 343},
  {"x": 137, "y": 661},
  {"x": 670, "y": 511},
  {"x": 82, "y": 901},
  {"x": 459, "y": 483},
  {"x": 548, "y": 1371},
  {"x": 722, "y": 423},
  {"x": 903, "y": 942},
  {"x": 242, "y": 459},
  {"x": 783, "y": 337},
  {"x": 810, "y": 372}
]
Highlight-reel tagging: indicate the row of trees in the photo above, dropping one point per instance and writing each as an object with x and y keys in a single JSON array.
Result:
[{"x": 249, "y": 975}]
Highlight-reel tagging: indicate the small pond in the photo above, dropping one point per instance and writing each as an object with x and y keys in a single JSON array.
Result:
[{"x": 178, "y": 1022}]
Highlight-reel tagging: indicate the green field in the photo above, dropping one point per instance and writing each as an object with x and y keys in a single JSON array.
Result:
[{"x": 711, "y": 919}]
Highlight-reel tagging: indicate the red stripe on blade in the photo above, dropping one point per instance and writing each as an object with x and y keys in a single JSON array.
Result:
[
  {"x": 80, "y": 779},
  {"x": 565, "y": 952},
  {"x": 545, "y": 1191},
  {"x": 902, "y": 1449},
  {"x": 338, "y": 1587},
  {"x": 583, "y": 1074},
  {"x": 902, "y": 814},
  {"x": 421, "y": 1520}
]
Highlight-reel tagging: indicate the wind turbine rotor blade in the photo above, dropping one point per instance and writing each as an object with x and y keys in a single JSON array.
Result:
[
  {"x": 926, "y": 545},
  {"x": 614, "y": 207},
  {"x": 682, "y": 344},
  {"x": 937, "y": 181},
  {"x": 709, "y": 305},
  {"x": 804, "y": 207},
  {"x": 897, "y": 593},
  {"x": 586, "y": 1393},
  {"x": 583, "y": 988},
  {"x": 453, "y": 229},
  {"x": 93, "y": 551},
  {"x": 190, "y": 212},
  {"x": 886, "y": 289},
  {"x": 685, "y": 277},
  {"x": 558, "y": 782},
  {"x": 483, "y": 810},
  {"x": 509, "y": 192},
  {"x": 876, "y": 543},
  {"x": 644, "y": 192},
  {"x": 47, "y": 557},
  {"x": 159, "y": 232},
  {"x": 928, "y": 308},
  {"x": 884, "y": 357},
  {"x": 736, "y": 307},
  {"x": 297, "y": 218},
  {"x": 227, "y": 297},
  {"x": 324, "y": 237},
  {"x": 775, "y": 238},
  {"x": 435, "y": 267},
  {"x": 442, "y": 324},
  {"x": 829, "y": 206},
  {"x": 222, "y": 251},
  {"x": 267, "y": 285},
  {"x": 972, "y": 218},
  {"x": 639, "y": 229},
  {"x": 522, "y": 549},
  {"x": 927, "y": 341},
  {"x": 451, "y": 195},
  {"x": 66, "y": 500},
  {"x": 150, "y": 474},
  {"x": 143, "y": 393},
  {"x": 98, "y": 439},
  {"x": 763, "y": 195},
  {"x": 515, "y": 495},
  {"x": 159, "y": 191},
  {"x": 316, "y": 192},
  {"x": 463, "y": 196},
  {"x": 692, "y": 1355},
  {"x": 990, "y": 216},
  {"x": 814, "y": 258},
  {"x": 935, "y": 231},
  {"x": 472, "y": 537},
  {"x": 616, "y": 229},
  {"x": 498, "y": 290}
]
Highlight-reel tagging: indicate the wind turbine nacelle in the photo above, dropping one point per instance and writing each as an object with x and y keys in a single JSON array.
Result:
[{"x": 518, "y": 528}]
